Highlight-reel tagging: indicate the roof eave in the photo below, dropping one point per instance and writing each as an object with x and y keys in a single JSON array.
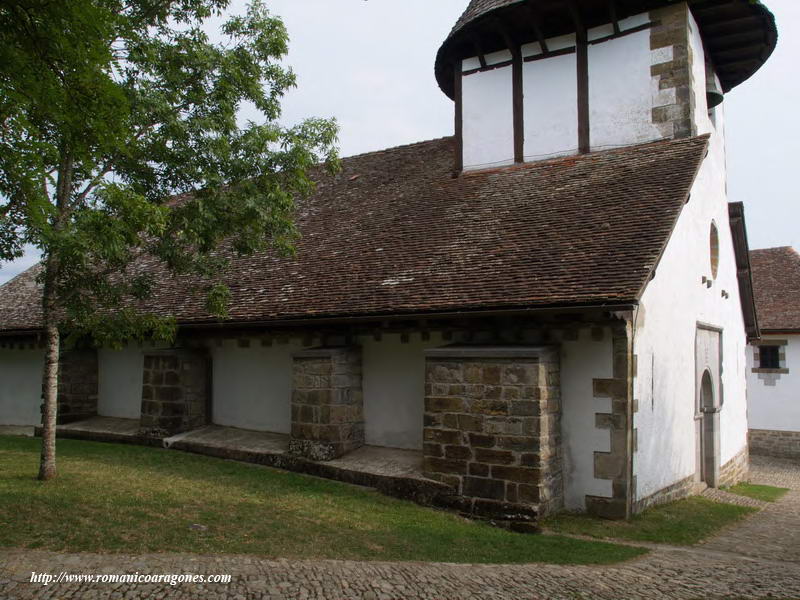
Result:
[{"x": 744, "y": 272}]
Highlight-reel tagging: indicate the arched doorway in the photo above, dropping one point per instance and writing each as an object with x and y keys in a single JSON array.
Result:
[
  {"x": 710, "y": 430},
  {"x": 709, "y": 400}
]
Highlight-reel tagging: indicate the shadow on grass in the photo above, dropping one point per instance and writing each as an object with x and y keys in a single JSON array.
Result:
[
  {"x": 115, "y": 498},
  {"x": 682, "y": 523}
]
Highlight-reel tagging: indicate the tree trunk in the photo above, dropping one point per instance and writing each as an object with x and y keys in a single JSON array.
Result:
[{"x": 47, "y": 467}]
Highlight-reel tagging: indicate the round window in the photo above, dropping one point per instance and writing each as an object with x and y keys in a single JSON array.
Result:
[{"x": 714, "y": 243}]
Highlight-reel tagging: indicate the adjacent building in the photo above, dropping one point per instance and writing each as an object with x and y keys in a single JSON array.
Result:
[{"x": 773, "y": 362}]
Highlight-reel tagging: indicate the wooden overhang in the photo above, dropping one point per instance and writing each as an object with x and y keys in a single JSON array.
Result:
[
  {"x": 739, "y": 35},
  {"x": 743, "y": 270}
]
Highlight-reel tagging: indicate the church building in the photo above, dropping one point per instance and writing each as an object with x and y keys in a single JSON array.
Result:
[{"x": 548, "y": 311}]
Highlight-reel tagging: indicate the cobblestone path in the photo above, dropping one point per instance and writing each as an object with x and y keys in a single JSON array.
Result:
[
  {"x": 758, "y": 559},
  {"x": 774, "y": 533}
]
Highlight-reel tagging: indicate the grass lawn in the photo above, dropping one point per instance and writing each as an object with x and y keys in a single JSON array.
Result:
[
  {"x": 767, "y": 493},
  {"x": 116, "y": 498},
  {"x": 682, "y": 523}
]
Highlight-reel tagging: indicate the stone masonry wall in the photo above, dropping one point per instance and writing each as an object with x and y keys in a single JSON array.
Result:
[
  {"x": 175, "y": 392},
  {"x": 671, "y": 493},
  {"x": 674, "y": 104},
  {"x": 616, "y": 465},
  {"x": 735, "y": 470},
  {"x": 327, "y": 403},
  {"x": 78, "y": 382},
  {"x": 785, "y": 444},
  {"x": 493, "y": 424}
]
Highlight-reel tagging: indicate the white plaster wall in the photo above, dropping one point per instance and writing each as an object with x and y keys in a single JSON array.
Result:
[
  {"x": 620, "y": 98},
  {"x": 120, "y": 381},
  {"x": 253, "y": 386},
  {"x": 697, "y": 56},
  {"x": 21, "y": 386},
  {"x": 551, "y": 107},
  {"x": 672, "y": 305},
  {"x": 488, "y": 129},
  {"x": 394, "y": 389},
  {"x": 582, "y": 361},
  {"x": 777, "y": 407}
]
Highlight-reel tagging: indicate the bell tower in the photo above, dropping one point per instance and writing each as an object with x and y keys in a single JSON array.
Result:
[{"x": 536, "y": 79}]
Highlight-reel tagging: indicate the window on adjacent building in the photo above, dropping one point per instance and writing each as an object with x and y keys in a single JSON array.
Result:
[{"x": 769, "y": 357}]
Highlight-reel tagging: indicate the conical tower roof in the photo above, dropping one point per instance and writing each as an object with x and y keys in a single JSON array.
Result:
[{"x": 739, "y": 35}]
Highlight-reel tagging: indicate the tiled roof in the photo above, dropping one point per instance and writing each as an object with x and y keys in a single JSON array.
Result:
[
  {"x": 478, "y": 8},
  {"x": 776, "y": 279},
  {"x": 395, "y": 233}
]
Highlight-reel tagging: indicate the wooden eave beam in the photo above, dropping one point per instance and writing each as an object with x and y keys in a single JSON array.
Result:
[
  {"x": 536, "y": 25},
  {"x": 723, "y": 57},
  {"x": 735, "y": 24},
  {"x": 502, "y": 30},
  {"x": 580, "y": 28},
  {"x": 725, "y": 12},
  {"x": 737, "y": 64},
  {"x": 734, "y": 40},
  {"x": 478, "y": 49},
  {"x": 612, "y": 11}
]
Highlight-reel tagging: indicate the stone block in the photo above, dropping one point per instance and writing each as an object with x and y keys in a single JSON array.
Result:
[
  {"x": 484, "y": 488},
  {"x": 517, "y": 443},
  {"x": 516, "y": 474},
  {"x": 444, "y": 465},
  {"x": 489, "y": 407},
  {"x": 492, "y": 374},
  {"x": 529, "y": 493},
  {"x": 473, "y": 373},
  {"x": 444, "y": 404},
  {"x": 504, "y": 426},
  {"x": 433, "y": 450},
  {"x": 482, "y": 441},
  {"x": 494, "y": 457},
  {"x": 443, "y": 436},
  {"x": 527, "y": 408},
  {"x": 443, "y": 372},
  {"x": 471, "y": 423},
  {"x": 478, "y": 469},
  {"x": 609, "y": 466},
  {"x": 520, "y": 374},
  {"x": 458, "y": 452}
]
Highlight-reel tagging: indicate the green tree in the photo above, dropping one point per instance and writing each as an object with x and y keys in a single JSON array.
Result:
[{"x": 119, "y": 141}]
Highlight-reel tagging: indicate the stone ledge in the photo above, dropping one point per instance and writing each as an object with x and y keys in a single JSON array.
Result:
[
  {"x": 108, "y": 437},
  {"x": 421, "y": 491}
]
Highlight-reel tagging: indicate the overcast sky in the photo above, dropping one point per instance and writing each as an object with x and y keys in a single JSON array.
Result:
[{"x": 369, "y": 63}]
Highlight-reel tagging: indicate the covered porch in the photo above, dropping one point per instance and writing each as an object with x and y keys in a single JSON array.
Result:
[{"x": 393, "y": 471}]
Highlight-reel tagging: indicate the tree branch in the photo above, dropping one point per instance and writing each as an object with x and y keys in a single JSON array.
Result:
[{"x": 107, "y": 168}]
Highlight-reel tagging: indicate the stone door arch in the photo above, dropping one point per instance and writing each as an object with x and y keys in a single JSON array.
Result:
[{"x": 708, "y": 403}]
